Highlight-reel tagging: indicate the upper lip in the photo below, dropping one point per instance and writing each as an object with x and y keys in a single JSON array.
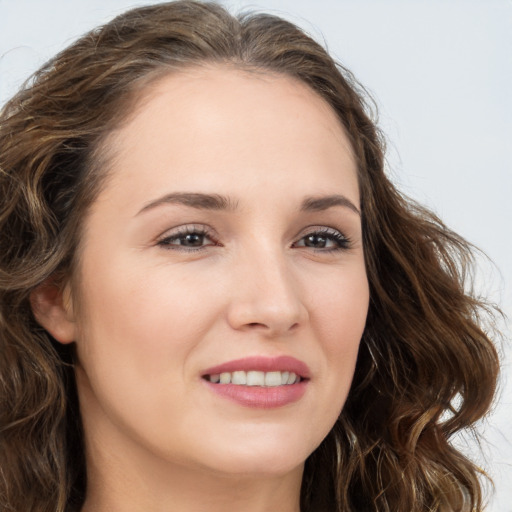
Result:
[{"x": 262, "y": 364}]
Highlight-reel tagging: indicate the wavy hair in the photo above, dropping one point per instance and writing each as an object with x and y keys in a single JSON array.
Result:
[{"x": 426, "y": 367}]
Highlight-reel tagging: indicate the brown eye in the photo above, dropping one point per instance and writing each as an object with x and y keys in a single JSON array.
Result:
[
  {"x": 191, "y": 240},
  {"x": 316, "y": 241},
  {"x": 325, "y": 240},
  {"x": 188, "y": 238}
]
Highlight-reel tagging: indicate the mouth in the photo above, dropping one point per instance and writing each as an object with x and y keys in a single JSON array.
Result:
[
  {"x": 255, "y": 378},
  {"x": 260, "y": 371},
  {"x": 259, "y": 382}
]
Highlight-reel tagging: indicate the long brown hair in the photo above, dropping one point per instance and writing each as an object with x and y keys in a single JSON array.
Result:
[{"x": 426, "y": 368}]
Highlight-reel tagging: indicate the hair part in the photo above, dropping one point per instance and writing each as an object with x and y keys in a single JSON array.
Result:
[{"x": 426, "y": 368}]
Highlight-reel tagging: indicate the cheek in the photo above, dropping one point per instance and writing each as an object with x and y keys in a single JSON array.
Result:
[
  {"x": 143, "y": 313},
  {"x": 340, "y": 318},
  {"x": 134, "y": 348},
  {"x": 340, "y": 308},
  {"x": 137, "y": 335}
]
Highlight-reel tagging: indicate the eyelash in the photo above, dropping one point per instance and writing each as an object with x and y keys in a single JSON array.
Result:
[{"x": 333, "y": 235}]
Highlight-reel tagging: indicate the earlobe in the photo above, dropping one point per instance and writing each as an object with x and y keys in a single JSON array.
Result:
[{"x": 53, "y": 309}]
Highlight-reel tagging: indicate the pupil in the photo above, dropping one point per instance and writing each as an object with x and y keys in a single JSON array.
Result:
[
  {"x": 315, "y": 241},
  {"x": 193, "y": 240}
]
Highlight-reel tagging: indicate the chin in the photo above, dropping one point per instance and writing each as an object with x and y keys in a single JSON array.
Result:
[
  {"x": 261, "y": 456},
  {"x": 258, "y": 467}
]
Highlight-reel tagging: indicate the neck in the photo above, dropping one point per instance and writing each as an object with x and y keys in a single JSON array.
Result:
[
  {"x": 187, "y": 491},
  {"x": 115, "y": 483}
]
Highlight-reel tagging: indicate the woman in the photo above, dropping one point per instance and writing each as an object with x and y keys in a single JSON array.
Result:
[{"x": 211, "y": 294}]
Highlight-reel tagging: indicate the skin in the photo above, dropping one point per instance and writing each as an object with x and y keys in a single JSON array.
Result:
[{"x": 151, "y": 317}]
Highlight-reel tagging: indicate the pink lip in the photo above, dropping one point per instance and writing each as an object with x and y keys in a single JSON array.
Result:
[
  {"x": 258, "y": 396},
  {"x": 262, "y": 364}
]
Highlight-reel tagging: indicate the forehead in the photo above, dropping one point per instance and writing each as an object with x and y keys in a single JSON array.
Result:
[
  {"x": 214, "y": 125},
  {"x": 232, "y": 84},
  {"x": 202, "y": 93}
]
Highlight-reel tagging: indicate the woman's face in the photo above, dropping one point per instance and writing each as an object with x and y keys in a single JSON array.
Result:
[{"x": 226, "y": 244}]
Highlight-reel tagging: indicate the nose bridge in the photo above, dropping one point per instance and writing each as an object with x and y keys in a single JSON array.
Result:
[{"x": 266, "y": 296}]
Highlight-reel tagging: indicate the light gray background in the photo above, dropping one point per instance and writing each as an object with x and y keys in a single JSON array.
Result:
[{"x": 441, "y": 72}]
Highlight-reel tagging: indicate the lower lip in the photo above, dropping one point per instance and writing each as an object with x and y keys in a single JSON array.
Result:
[{"x": 260, "y": 397}]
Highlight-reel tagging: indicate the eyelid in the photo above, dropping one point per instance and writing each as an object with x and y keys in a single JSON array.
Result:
[
  {"x": 341, "y": 241},
  {"x": 181, "y": 231}
]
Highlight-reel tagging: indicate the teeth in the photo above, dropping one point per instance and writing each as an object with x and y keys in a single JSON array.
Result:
[
  {"x": 291, "y": 378},
  {"x": 225, "y": 378},
  {"x": 255, "y": 378},
  {"x": 239, "y": 378},
  {"x": 273, "y": 379}
]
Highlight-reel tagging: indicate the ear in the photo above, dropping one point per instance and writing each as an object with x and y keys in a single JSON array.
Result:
[{"x": 53, "y": 309}]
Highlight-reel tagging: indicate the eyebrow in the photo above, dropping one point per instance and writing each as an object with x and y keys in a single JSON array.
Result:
[
  {"x": 223, "y": 203},
  {"x": 194, "y": 200},
  {"x": 316, "y": 204}
]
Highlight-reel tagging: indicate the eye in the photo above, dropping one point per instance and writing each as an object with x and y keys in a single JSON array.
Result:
[
  {"x": 197, "y": 238},
  {"x": 324, "y": 240},
  {"x": 187, "y": 238}
]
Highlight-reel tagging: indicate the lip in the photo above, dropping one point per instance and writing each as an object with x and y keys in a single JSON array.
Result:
[
  {"x": 260, "y": 397},
  {"x": 262, "y": 364}
]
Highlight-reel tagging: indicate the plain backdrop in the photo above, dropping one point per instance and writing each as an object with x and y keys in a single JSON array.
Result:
[{"x": 441, "y": 74}]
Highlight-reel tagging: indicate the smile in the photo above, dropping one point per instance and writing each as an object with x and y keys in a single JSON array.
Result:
[
  {"x": 255, "y": 378},
  {"x": 259, "y": 381}
]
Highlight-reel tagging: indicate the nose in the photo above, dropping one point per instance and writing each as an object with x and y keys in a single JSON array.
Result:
[{"x": 265, "y": 297}]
